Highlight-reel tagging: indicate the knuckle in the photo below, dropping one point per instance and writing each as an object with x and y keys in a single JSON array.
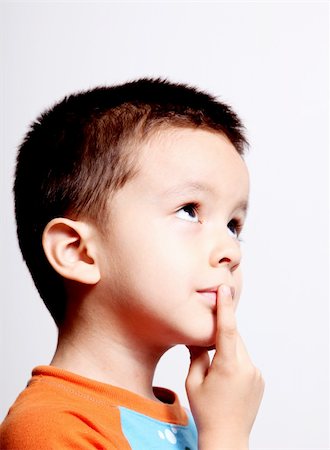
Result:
[
  {"x": 262, "y": 381},
  {"x": 227, "y": 368},
  {"x": 229, "y": 333},
  {"x": 259, "y": 380},
  {"x": 252, "y": 372},
  {"x": 258, "y": 375},
  {"x": 230, "y": 329},
  {"x": 190, "y": 385}
]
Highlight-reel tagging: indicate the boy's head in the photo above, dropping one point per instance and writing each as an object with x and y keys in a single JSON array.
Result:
[{"x": 87, "y": 147}]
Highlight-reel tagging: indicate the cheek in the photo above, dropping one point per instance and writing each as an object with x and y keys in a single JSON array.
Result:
[{"x": 150, "y": 256}]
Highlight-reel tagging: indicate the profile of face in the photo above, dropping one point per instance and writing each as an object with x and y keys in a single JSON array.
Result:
[{"x": 173, "y": 239}]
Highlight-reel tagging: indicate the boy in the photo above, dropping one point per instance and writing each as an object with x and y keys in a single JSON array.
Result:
[{"x": 129, "y": 205}]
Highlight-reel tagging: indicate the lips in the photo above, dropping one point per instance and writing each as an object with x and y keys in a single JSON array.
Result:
[{"x": 211, "y": 293}]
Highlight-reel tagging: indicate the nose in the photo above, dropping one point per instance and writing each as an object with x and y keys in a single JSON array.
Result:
[{"x": 226, "y": 251}]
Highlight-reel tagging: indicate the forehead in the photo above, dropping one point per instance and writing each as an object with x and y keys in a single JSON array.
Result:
[{"x": 192, "y": 159}]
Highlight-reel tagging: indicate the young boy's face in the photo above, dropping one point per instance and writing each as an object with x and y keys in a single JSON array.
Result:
[{"x": 171, "y": 239}]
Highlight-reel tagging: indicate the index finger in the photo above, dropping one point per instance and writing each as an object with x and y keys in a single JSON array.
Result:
[{"x": 226, "y": 339}]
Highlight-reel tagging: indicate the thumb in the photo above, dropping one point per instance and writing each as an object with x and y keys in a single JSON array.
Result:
[{"x": 199, "y": 365}]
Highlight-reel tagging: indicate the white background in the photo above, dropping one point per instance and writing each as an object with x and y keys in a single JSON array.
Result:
[{"x": 270, "y": 61}]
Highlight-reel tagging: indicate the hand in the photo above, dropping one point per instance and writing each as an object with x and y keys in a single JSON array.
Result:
[{"x": 225, "y": 395}]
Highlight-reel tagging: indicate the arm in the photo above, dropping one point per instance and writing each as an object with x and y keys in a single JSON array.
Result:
[{"x": 224, "y": 396}]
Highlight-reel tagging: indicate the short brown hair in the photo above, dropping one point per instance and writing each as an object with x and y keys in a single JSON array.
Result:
[{"x": 79, "y": 151}]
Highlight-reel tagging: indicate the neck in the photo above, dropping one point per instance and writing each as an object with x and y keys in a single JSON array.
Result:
[{"x": 113, "y": 358}]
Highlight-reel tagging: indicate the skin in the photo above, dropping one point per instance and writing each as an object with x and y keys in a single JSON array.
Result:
[{"x": 152, "y": 280}]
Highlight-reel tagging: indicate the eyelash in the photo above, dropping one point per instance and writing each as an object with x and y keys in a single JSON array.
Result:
[
  {"x": 193, "y": 207},
  {"x": 238, "y": 226},
  {"x": 236, "y": 223}
]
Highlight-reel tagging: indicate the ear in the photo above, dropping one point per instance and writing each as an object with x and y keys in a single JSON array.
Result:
[{"x": 70, "y": 248}]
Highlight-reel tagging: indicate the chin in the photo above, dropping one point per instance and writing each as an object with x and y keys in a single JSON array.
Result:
[{"x": 205, "y": 342}]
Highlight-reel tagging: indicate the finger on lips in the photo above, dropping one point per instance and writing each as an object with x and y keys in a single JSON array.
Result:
[{"x": 227, "y": 330}]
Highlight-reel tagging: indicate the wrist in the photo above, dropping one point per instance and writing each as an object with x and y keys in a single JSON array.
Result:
[{"x": 222, "y": 443}]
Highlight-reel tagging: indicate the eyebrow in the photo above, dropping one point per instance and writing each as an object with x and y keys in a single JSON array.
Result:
[
  {"x": 243, "y": 206},
  {"x": 186, "y": 188},
  {"x": 191, "y": 187}
]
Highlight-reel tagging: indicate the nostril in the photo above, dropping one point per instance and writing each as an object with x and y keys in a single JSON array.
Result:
[{"x": 224, "y": 260}]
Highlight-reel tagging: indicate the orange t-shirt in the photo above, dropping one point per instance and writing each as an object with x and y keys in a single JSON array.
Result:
[{"x": 62, "y": 410}]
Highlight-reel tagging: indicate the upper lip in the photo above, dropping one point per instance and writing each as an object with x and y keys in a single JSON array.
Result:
[{"x": 215, "y": 289}]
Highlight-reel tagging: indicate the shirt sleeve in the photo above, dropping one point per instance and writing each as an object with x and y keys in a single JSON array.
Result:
[{"x": 56, "y": 431}]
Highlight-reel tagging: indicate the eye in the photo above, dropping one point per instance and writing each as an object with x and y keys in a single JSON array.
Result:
[
  {"x": 234, "y": 228},
  {"x": 188, "y": 212}
]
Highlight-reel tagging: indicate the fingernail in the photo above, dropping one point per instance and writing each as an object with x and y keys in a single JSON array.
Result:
[{"x": 225, "y": 290}]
